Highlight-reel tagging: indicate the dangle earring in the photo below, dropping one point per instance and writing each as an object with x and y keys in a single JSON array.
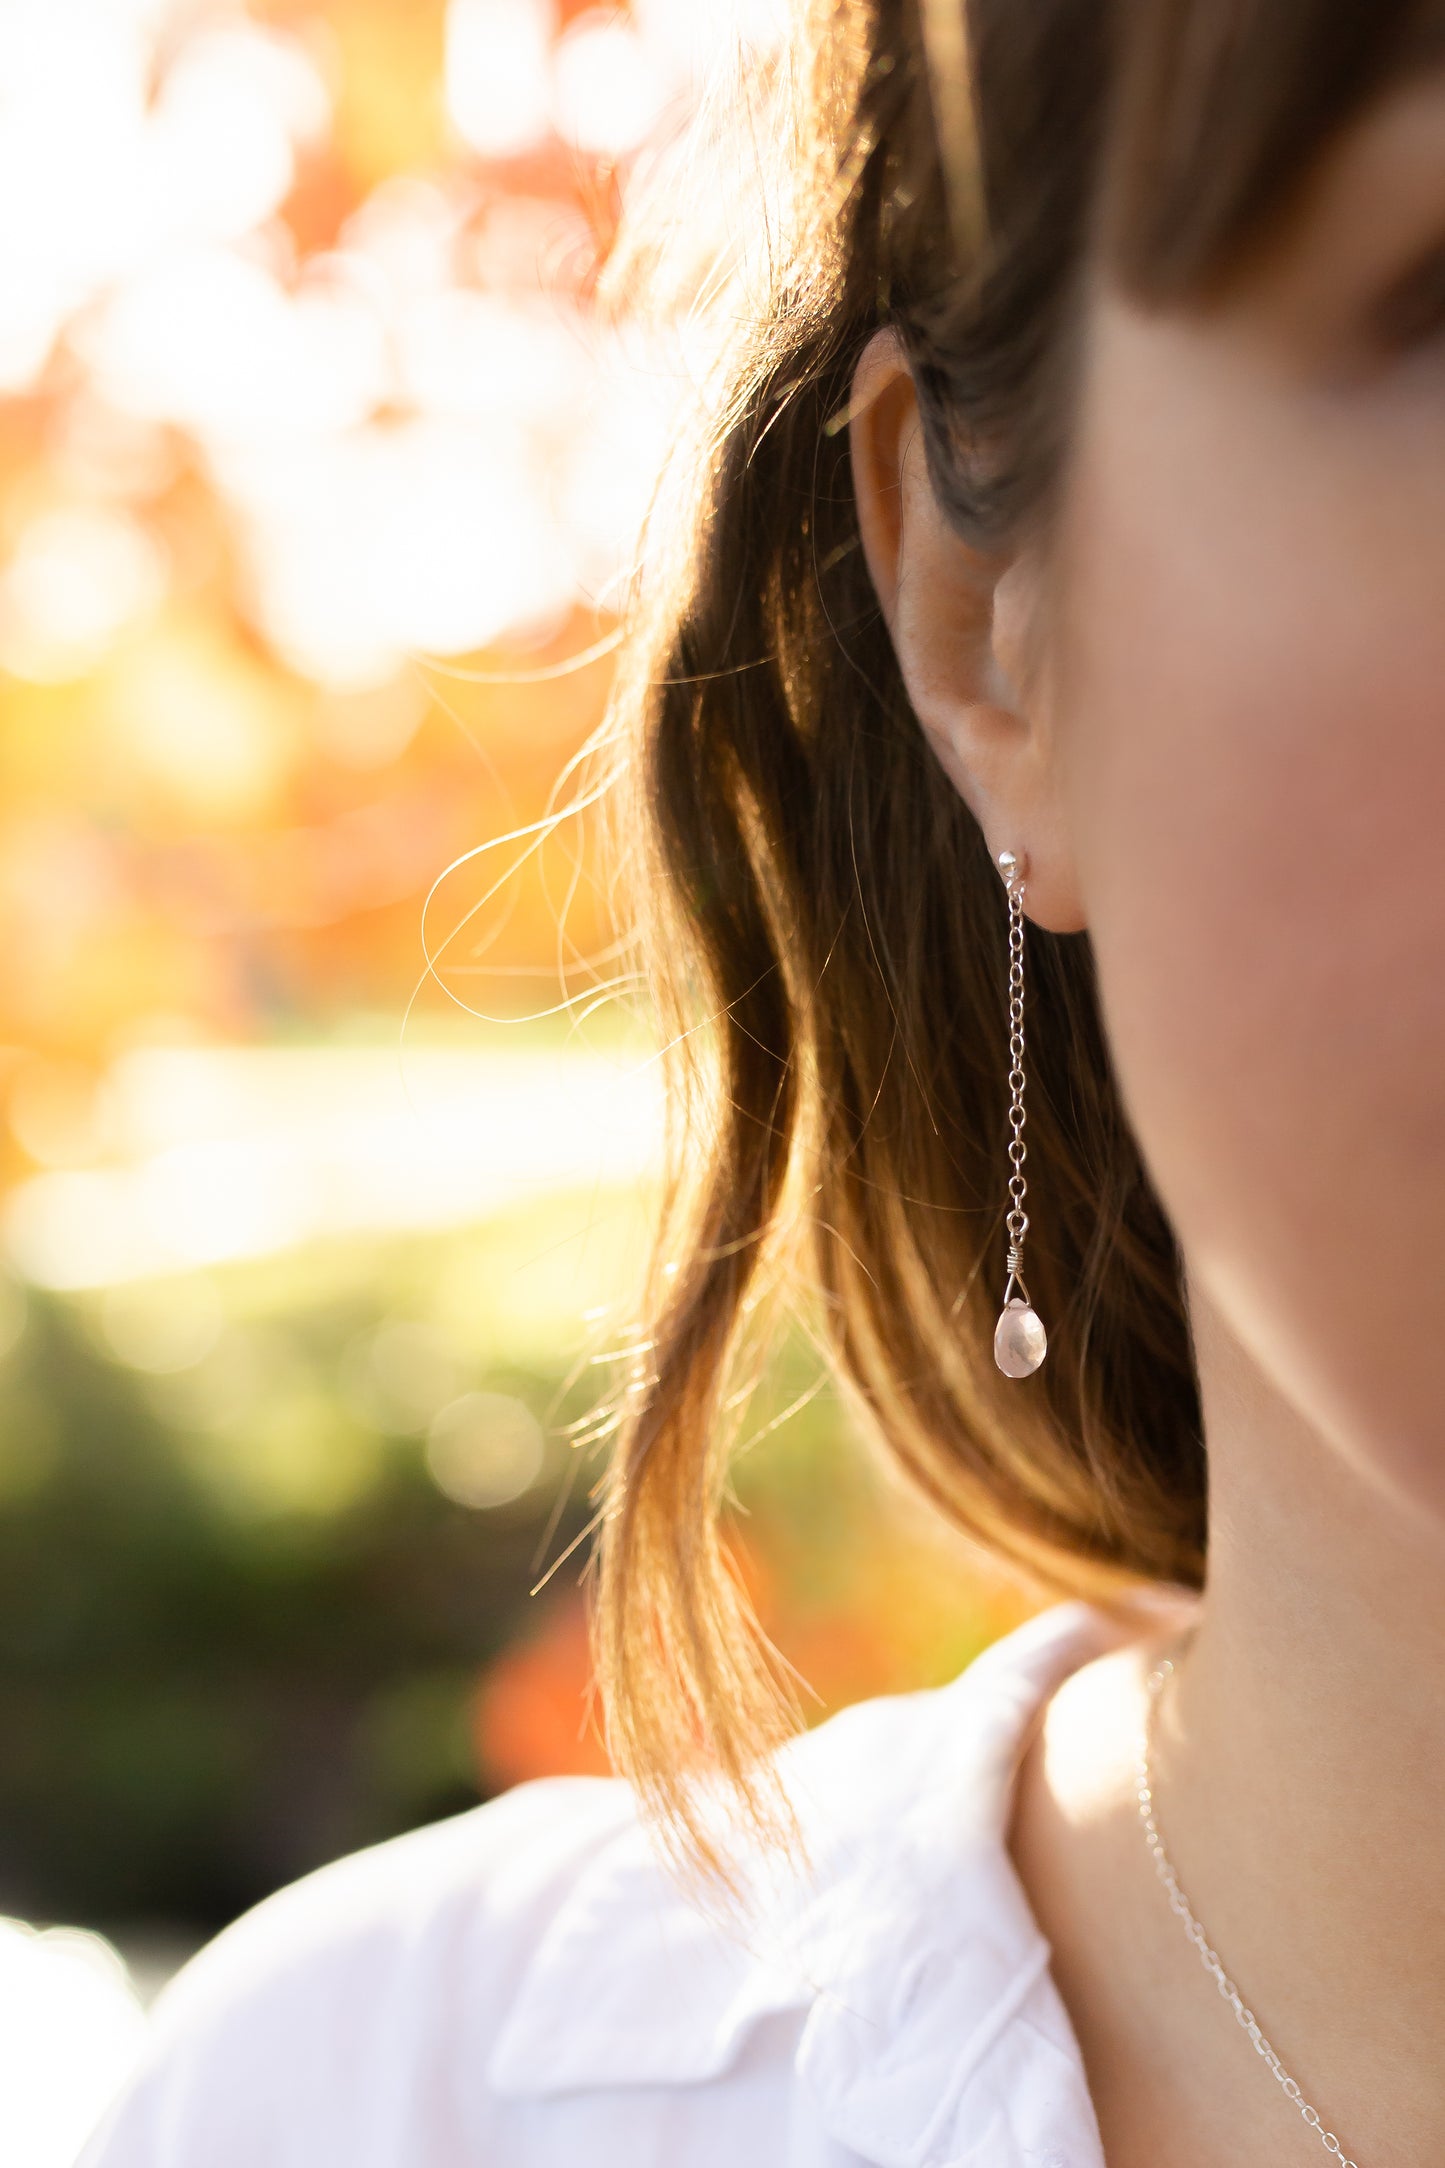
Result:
[{"x": 1019, "y": 1341}]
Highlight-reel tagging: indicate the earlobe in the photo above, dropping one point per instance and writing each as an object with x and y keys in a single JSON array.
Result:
[{"x": 961, "y": 624}]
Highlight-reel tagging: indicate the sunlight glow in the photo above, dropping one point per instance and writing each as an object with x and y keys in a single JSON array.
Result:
[
  {"x": 76, "y": 579},
  {"x": 223, "y": 132},
  {"x": 231, "y": 1154},
  {"x": 609, "y": 88},
  {"x": 210, "y": 340},
  {"x": 498, "y": 74},
  {"x": 426, "y": 534},
  {"x": 411, "y": 461},
  {"x": 208, "y": 736},
  {"x": 98, "y": 180}
]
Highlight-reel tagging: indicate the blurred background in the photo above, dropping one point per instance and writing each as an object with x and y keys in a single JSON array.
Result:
[{"x": 320, "y": 473}]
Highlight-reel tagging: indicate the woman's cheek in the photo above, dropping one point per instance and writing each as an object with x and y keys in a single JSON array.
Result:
[{"x": 1254, "y": 747}]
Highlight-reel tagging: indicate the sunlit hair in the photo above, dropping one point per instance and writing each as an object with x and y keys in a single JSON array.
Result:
[{"x": 824, "y": 928}]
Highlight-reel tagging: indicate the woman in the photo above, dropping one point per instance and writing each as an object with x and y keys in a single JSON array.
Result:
[{"x": 1077, "y": 502}]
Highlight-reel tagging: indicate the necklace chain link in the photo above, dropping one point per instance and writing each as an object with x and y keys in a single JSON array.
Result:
[{"x": 1208, "y": 1955}]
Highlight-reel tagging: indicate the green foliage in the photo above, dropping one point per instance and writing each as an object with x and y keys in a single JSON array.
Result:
[{"x": 240, "y": 1624}]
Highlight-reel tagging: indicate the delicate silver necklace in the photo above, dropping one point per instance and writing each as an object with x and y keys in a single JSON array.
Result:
[{"x": 1208, "y": 1956}]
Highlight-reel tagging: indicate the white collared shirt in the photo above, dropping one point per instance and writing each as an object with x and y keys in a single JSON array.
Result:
[{"x": 526, "y": 1986}]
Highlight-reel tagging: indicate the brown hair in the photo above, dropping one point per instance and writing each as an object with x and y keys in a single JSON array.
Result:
[{"x": 826, "y": 930}]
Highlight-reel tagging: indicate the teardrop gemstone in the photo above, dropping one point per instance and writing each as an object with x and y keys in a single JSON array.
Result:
[{"x": 1019, "y": 1340}]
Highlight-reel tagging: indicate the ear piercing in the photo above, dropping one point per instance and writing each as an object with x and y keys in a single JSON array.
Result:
[{"x": 1019, "y": 1341}]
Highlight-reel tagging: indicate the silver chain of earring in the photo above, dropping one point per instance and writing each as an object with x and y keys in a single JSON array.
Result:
[
  {"x": 1020, "y": 1341},
  {"x": 1018, "y": 1219}
]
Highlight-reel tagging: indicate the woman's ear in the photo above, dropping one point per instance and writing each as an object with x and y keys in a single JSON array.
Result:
[{"x": 964, "y": 628}]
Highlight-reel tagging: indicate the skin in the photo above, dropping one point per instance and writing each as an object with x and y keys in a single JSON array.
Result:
[{"x": 1209, "y": 704}]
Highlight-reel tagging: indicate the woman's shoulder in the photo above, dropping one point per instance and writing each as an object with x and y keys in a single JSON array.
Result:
[{"x": 425, "y": 2002}]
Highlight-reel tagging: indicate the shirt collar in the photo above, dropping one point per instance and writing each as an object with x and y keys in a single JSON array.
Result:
[{"x": 934, "y": 2036}]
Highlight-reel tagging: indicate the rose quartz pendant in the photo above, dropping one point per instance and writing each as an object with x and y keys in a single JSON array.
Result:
[{"x": 1019, "y": 1340}]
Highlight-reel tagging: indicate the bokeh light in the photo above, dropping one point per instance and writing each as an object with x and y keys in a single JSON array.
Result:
[{"x": 485, "y": 1449}]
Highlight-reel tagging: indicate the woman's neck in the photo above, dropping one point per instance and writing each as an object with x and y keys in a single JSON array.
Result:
[
  {"x": 1299, "y": 1770},
  {"x": 1307, "y": 1738}
]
